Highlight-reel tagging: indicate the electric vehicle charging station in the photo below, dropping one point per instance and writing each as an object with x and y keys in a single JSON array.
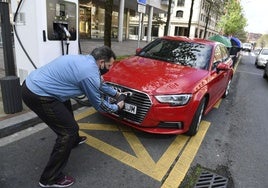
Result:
[{"x": 43, "y": 31}]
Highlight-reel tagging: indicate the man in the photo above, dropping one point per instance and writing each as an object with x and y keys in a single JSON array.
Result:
[
  {"x": 47, "y": 91},
  {"x": 234, "y": 53}
]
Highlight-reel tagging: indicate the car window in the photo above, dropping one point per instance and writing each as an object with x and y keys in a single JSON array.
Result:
[
  {"x": 247, "y": 45},
  {"x": 224, "y": 52},
  {"x": 217, "y": 57},
  {"x": 264, "y": 52},
  {"x": 180, "y": 52}
]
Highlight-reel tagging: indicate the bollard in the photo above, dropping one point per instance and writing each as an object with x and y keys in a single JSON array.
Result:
[{"x": 11, "y": 94}]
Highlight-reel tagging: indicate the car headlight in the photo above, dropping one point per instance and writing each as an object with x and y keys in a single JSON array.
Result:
[{"x": 176, "y": 100}]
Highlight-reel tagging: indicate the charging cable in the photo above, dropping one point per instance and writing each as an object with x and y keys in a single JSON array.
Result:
[{"x": 16, "y": 34}]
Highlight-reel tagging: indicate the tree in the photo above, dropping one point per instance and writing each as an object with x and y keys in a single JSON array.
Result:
[
  {"x": 190, "y": 18},
  {"x": 215, "y": 9},
  {"x": 108, "y": 22},
  {"x": 168, "y": 17},
  {"x": 233, "y": 21}
]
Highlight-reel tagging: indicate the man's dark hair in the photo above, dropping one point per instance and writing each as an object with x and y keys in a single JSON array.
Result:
[{"x": 104, "y": 53}]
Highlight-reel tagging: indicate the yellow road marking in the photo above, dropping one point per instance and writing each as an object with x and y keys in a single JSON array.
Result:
[
  {"x": 180, "y": 169},
  {"x": 183, "y": 149},
  {"x": 84, "y": 114},
  {"x": 170, "y": 155},
  {"x": 217, "y": 105},
  {"x": 142, "y": 161},
  {"x": 138, "y": 148},
  {"x": 99, "y": 127}
]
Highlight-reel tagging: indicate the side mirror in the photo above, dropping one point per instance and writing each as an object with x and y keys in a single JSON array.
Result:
[
  {"x": 138, "y": 50},
  {"x": 223, "y": 67}
]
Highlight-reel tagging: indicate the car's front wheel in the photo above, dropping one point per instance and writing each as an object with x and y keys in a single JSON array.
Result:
[
  {"x": 264, "y": 75},
  {"x": 256, "y": 63},
  {"x": 197, "y": 119}
]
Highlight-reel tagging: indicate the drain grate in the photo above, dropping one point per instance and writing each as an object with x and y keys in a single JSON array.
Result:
[{"x": 211, "y": 180}]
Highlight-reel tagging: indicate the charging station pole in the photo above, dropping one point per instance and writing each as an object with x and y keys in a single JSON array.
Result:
[
  {"x": 7, "y": 42},
  {"x": 10, "y": 85}
]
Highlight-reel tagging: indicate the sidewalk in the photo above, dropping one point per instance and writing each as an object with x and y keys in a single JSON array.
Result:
[{"x": 12, "y": 123}]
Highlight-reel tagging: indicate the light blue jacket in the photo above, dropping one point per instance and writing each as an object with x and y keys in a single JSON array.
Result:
[{"x": 71, "y": 76}]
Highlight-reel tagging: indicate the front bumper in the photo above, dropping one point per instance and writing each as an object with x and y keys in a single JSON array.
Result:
[{"x": 151, "y": 116}]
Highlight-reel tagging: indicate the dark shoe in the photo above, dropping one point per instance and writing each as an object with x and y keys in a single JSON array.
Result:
[
  {"x": 66, "y": 181},
  {"x": 82, "y": 140}
]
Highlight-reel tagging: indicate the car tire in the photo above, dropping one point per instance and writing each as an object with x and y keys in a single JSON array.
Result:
[
  {"x": 227, "y": 90},
  {"x": 265, "y": 76},
  {"x": 197, "y": 118}
]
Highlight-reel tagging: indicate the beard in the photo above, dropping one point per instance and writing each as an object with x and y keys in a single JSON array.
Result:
[{"x": 104, "y": 70}]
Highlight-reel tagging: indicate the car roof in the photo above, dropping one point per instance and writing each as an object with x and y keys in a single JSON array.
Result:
[{"x": 196, "y": 40}]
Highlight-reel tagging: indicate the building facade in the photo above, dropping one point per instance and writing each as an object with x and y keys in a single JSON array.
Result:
[
  {"x": 126, "y": 19},
  {"x": 203, "y": 22}
]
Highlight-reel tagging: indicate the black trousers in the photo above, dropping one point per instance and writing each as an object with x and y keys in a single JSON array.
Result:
[{"x": 59, "y": 117}]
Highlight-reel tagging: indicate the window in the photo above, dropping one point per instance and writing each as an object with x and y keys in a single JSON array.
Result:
[
  {"x": 224, "y": 52},
  {"x": 179, "y": 14},
  {"x": 264, "y": 52},
  {"x": 134, "y": 30},
  {"x": 180, "y": 3},
  {"x": 221, "y": 54},
  {"x": 217, "y": 57},
  {"x": 179, "y": 52}
]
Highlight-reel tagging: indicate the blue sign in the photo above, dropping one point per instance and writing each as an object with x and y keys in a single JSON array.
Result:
[{"x": 143, "y": 2}]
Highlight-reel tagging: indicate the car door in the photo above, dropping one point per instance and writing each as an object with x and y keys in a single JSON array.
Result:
[
  {"x": 225, "y": 74},
  {"x": 217, "y": 83}
]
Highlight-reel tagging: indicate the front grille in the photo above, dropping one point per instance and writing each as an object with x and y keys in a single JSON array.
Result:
[{"x": 139, "y": 99}]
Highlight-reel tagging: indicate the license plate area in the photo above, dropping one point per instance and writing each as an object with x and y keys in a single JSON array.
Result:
[{"x": 130, "y": 108}]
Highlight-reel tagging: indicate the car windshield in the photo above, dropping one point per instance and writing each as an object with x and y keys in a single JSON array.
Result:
[
  {"x": 247, "y": 45},
  {"x": 178, "y": 52},
  {"x": 264, "y": 52}
]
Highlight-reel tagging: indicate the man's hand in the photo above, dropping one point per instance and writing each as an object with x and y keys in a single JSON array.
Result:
[
  {"x": 120, "y": 97},
  {"x": 121, "y": 104},
  {"x": 118, "y": 94}
]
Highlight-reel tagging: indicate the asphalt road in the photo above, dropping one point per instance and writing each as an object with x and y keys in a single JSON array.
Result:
[{"x": 232, "y": 143}]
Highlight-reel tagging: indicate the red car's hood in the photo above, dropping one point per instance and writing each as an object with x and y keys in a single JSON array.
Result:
[{"x": 155, "y": 76}]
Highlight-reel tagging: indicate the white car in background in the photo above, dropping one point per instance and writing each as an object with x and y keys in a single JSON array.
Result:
[
  {"x": 262, "y": 58},
  {"x": 257, "y": 51},
  {"x": 247, "y": 47}
]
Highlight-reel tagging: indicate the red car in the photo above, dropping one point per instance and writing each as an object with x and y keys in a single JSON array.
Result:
[{"x": 172, "y": 82}]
